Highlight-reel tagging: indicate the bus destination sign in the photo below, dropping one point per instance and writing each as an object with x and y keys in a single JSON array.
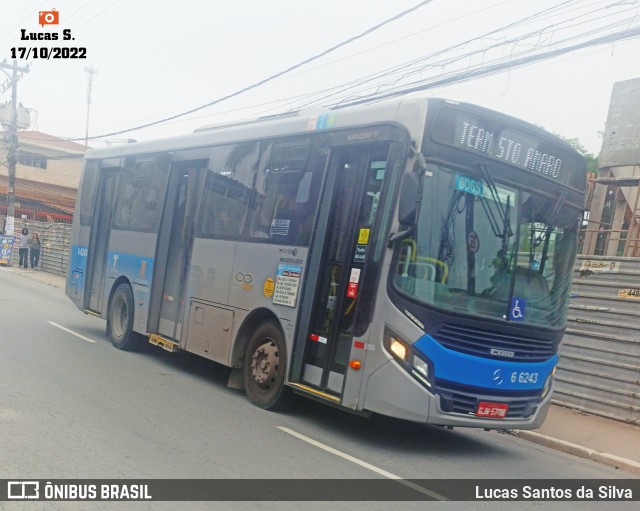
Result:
[
  {"x": 500, "y": 140},
  {"x": 508, "y": 145}
]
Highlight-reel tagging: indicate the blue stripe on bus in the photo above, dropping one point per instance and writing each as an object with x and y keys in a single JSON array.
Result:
[
  {"x": 481, "y": 372},
  {"x": 136, "y": 268},
  {"x": 78, "y": 266}
]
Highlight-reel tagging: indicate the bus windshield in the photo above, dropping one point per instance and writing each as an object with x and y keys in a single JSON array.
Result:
[{"x": 485, "y": 249}]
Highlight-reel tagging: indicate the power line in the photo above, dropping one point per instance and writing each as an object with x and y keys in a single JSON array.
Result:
[
  {"x": 418, "y": 66},
  {"x": 529, "y": 18},
  {"x": 488, "y": 70},
  {"x": 272, "y": 77}
]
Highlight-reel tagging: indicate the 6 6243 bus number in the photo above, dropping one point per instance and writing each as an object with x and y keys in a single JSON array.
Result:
[{"x": 524, "y": 377}]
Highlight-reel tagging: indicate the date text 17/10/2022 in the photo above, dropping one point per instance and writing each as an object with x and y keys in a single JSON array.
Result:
[{"x": 45, "y": 53}]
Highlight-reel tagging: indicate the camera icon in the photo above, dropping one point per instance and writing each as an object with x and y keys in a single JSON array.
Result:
[{"x": 51, "y": 17}]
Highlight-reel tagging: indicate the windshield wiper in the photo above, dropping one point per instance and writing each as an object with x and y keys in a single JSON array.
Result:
[
  {"x": 550, "y": 226},
  {"x": 505, "y": 214}
]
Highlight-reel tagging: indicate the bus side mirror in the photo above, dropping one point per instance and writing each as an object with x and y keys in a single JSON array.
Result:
[{"x": 409, "y": 199}]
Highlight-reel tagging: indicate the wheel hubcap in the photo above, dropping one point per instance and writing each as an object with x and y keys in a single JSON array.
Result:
[
  {"x": 265, "y": 364},
  {"x": 120, "y": 317}
]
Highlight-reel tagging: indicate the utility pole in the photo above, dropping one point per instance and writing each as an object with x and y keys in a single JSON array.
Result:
[
  {"x": 91, "y": 72},
  {"x": 12, "y": 153}
]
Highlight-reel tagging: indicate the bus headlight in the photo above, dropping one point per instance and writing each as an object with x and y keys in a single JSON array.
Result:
[
  {"x": 547, "y": 383},
  {"x": 421, "y": 370},
  {"x": 406, "y": 356},
  {"x": 397, "y": 347}
]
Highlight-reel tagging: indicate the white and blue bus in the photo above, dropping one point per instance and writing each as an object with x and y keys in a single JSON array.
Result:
[{"x": 410, "y": 258}]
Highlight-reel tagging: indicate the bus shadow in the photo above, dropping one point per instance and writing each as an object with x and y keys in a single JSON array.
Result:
[
  {"x": 403, "y": 437},
  {"x": 207, "y": 370},
  {"x": 202, "y": 368}
]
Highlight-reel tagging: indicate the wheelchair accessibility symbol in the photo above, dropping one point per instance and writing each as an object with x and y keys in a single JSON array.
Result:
[{"x": 517, "y": 309}]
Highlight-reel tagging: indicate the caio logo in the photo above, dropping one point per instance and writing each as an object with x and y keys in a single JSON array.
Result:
[{"x": 51, "y": 17}]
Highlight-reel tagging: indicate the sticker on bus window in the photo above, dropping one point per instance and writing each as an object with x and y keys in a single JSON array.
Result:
[
  {"x": 517, "y": 309},
  {"x": 279, "y": 227},
  {"x": 473, "y": 242},
  {"x": 287, "y": 283},
  {"x": 363, "y": 236},
  {"x": 360, "y": 254}
]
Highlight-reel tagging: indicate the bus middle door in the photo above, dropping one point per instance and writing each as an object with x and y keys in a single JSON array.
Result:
[{"x": 174, "y": 249}]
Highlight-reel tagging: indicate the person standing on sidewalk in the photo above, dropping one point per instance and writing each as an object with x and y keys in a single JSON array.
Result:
[
  {"x": 34, "y": 250},
  {"x": 24, "y": 248}
]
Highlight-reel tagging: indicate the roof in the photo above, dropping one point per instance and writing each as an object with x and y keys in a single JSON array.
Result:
[
  {"x": 37, "y": 137},
  {"x": 43, "y": 192}
]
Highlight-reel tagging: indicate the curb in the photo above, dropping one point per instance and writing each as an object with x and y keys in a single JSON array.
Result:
[
  {"x": 39, "y": 276},
  {"x": 580, "y": 451}
]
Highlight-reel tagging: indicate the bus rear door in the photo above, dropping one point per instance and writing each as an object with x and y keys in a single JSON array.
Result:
[{"x": 99, "y": 239}]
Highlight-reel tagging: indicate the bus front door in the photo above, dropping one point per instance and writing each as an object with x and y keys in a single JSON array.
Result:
[{"x": 346, "y": 221}]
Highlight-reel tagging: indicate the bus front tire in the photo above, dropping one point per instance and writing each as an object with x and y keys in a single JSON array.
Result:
[
  {"x": 265, "y": 366},
  {"x": 120, "y": 318}
]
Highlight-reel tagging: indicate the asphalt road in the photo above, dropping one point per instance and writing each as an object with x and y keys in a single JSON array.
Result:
[{"x": 72, "y": 406}]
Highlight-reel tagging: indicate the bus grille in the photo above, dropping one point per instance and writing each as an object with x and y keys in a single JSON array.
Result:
[
  {"x": 481, "y": 343},
  {"x": 464, "y": 400}
]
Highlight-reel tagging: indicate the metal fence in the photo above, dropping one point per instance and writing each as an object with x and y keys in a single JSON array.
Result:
[
  {"x": 599, "y": 368},
  {"x": 54, "y": 239}
]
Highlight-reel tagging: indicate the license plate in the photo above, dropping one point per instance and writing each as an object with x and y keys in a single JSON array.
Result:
[{"x": 492, "y": 410}]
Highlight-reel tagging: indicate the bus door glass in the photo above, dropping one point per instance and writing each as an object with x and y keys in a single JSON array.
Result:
[
  {"x": 352, "y": 203},
  {"x": 179, "y": 222},
  {"x": 99, "y": 240}
]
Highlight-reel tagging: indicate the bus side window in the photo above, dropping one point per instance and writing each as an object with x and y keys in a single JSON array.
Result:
[
  {"x": 139, "y": 203},
  {"x": 124, "y": 205},
  {"x": 227, "y": 194},
  {"x": 287, "y": 190}
]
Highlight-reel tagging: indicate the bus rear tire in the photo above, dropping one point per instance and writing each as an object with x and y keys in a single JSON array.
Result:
[
  {"x": 120, "y": 318},
  {"x": 265, "y": 364}
]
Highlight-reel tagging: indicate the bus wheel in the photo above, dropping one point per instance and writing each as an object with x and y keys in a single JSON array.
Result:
[
  {"x": 264, "y": 366},
  {"x": 120, "y": 318}
]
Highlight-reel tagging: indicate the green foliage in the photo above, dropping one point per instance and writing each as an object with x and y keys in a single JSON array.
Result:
[{"x": 592, "y": 161}]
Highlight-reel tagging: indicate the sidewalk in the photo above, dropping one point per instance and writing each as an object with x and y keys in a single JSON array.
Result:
[
  {"x": 41, "y": 276},
  {"x": 589, "y": 436}
]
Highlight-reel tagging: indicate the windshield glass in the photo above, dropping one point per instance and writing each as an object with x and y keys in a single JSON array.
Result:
[{"x": 489, "y": 250}]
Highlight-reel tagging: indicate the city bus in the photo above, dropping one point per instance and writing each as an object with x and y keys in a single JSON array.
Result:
[{"x": 410, "y": 258}]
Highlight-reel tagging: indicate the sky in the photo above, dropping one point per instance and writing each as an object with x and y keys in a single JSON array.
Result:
[{"x": 159, "y": 59}]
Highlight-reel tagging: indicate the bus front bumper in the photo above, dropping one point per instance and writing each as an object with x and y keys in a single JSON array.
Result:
[{"x": 392, "y": 391}]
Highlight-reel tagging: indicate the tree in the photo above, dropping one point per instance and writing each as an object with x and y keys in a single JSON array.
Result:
[{"x": 592, "y": 161}]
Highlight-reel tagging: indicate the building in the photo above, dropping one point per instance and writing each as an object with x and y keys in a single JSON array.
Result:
[
  {"x": 614, "y": 216},
  {"x": 47, "y": 176}
]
